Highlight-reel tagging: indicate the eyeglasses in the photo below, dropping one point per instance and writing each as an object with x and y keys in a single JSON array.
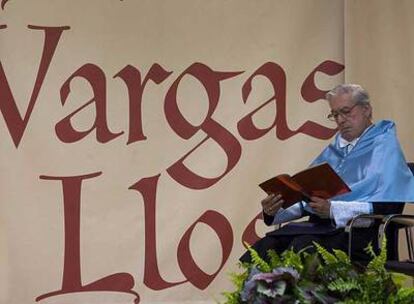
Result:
[{"x": 345, "y": 113}]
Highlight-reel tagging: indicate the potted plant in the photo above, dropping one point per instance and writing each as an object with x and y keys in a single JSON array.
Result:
[{"x": 321, "y": 277}]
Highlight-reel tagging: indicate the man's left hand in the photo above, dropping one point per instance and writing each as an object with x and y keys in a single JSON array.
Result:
[{"x": 321, "y": 206}]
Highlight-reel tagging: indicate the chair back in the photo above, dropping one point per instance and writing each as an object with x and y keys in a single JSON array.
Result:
[{"x": 392, "y": 231}]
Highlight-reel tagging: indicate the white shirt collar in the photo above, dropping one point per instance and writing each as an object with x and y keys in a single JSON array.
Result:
[{"x": 343, "y": 142}]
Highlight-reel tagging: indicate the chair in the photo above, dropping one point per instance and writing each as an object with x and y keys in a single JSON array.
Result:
[
  {"x": 388, "y": 219},
  {"x": 381, "y": 211},
  {"x": 406, "y": 222}
]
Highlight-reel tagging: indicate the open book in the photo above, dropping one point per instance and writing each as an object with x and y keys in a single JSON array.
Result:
[{"x": 320, "y": 180}]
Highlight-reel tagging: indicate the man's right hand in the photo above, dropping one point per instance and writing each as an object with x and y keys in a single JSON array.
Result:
[{"x": 272, "y": 203}]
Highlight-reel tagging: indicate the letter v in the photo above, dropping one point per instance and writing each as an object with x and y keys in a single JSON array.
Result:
[{"x": 14, "y": 121}]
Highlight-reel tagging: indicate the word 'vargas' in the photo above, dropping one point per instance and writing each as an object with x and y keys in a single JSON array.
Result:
[{"x": 135, "y": 84}]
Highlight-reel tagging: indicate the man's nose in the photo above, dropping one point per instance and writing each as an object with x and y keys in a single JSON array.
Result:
[{"x": 340, "y": 120}]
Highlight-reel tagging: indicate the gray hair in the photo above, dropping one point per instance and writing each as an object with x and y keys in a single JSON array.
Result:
[{"x": 358, "y": 93}]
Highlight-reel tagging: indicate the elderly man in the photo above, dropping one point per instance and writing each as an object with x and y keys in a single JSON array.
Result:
[{"x": 369, "y": 159}]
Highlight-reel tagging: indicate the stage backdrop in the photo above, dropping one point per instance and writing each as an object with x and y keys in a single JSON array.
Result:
[{"x": 134, "y": 133}]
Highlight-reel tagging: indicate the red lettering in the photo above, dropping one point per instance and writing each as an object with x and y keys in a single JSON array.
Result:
[
  {"x": 14, "y": 121},
  {"x": 249, "y": 235},
  {"x": 309, "y": 90},
  {"x": 96, "y": 78},
  {"x": 152, "y": 277},
  {"x": 311, "y": 93},
  {"x": 277, "y": 77},
  {"x": 188, "y": 266},
  {"x": 3, "y": 3},
  {"x": 71, "y": 281},
  {"x": 132, "y": 78},
  {"x": 228, "y": 142}
]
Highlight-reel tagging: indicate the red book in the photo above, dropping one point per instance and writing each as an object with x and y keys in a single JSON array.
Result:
[{"x": 320, "y": 180}]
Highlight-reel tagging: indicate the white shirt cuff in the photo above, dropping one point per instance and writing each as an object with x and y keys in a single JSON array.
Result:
[
  {"x": 342, "y": 212},
  {"x": 285, "y": 215}
]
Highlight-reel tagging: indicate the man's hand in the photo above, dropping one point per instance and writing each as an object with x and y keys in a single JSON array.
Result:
[
  {"x": 321, "y": 206},
  {"x": 272, "y": 203}
]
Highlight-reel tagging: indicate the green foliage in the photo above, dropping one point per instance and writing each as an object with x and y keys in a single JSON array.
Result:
[
  {"x": 336, "y": 267},
  {"x": 328, "y": 257},
  {"x": 403, "y": 296},
  {"x": 232, "y": 297},
  {"x": 257, "y": 261},
  {"x": 378, "y": 262},
  {"x": 343, "y": 286},
  {"x": 274, "y": 258},
  {"x": 311, "y": 264},
  {"x": 322, "y": 277},
  {"x": 292, "y": 259},
  {"x": 238, "y": 280},
  {"x": 342, "y": 256},
  {"x": 400, "y": 278}
]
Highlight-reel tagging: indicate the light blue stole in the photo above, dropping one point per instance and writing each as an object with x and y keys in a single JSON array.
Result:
[{"x": 375, "y": 169}]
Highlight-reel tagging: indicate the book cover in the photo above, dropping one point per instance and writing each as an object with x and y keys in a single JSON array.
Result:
[{"x": 320, "y": 180}]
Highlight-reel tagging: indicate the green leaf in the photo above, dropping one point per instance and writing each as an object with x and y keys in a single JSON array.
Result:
[
  {"x": 404, "y": 296},
  {"x": 400, "y": 279},
  {"x": 369, "y": 250},
  {"x": 378, "y": 262},
  {"x": 342, "y": 256},
  {"x": 344, "y": 286},
  {"x": 258, "y": 261},
  {"x": 292, "y": 259},
  {"x": 274, "y": 258},
  {"x": 328, "y": 257}
]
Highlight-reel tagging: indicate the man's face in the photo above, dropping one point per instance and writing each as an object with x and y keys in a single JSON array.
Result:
[{"x": 352, "y": 119}]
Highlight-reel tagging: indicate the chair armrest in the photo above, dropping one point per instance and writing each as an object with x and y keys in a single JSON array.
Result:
[
  {"x": 352, "y": 223},
  {"x": 405, "y": 221}
]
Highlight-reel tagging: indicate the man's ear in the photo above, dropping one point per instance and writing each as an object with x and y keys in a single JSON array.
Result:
[{"x": 368, "y": 110}]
